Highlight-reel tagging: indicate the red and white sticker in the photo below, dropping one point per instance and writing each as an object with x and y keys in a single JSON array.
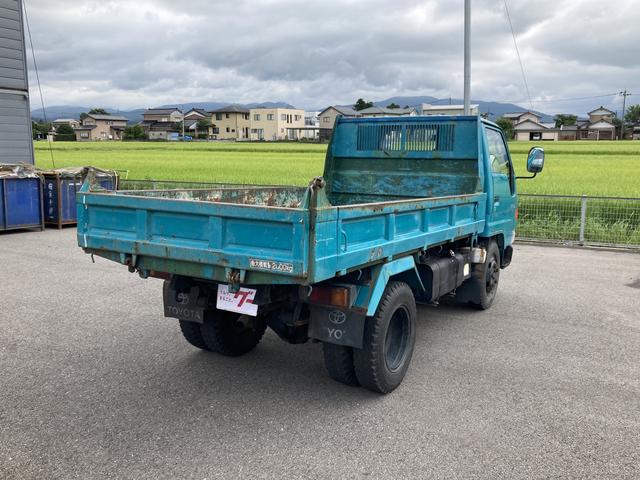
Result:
[{"x": 240, "y": 301}]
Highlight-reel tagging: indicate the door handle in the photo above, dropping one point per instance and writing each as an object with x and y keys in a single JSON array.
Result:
[{"x": 343, "y": 234}]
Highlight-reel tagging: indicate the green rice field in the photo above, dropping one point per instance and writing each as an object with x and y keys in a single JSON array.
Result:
[{"x": 590, "y": 168}]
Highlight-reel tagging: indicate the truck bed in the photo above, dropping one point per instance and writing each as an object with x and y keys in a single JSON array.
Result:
[
  {"x": 269, "y": 235},
  {"x": 391, "y": 189}
]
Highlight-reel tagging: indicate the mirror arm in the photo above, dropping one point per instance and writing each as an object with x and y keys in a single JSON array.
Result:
[{"x": 525, "y": 178}]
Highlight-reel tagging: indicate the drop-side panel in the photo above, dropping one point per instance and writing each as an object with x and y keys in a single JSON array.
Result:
[
  {"x": 377, "y": 232},
  {"x": 201, "y": 238}
]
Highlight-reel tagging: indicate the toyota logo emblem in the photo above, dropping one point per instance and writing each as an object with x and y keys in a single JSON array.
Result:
[{"x": 337, "y": 317}]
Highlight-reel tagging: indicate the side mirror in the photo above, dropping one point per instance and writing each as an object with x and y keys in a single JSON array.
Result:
[{"x": 535, "y": 160}]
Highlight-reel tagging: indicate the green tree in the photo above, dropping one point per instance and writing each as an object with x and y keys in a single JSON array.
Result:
[
  {"x": 134, "y": 132},
  {"x": 40, "y": 129},
  {"x": 565, "y": 119},
  {"x": 632, "y": 115},
  {"x": 361, "y": 104},
  {"x": 93, "y": 111},
  {"x": 393, "y": 105},
  {"x": 64, "y": 129},
  {"x": 507, "y": 127},
  {"x": 203, "y": 125}
]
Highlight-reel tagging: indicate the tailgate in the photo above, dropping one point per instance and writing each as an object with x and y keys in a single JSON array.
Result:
[{"x": 202, "y": 239}]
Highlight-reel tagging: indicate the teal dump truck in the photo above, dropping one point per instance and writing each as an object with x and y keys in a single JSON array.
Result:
[{"x": 408, "y": 210}]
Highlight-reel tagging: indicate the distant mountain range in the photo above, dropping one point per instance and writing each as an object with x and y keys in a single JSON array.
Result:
[{"x": 494, "y": 109}]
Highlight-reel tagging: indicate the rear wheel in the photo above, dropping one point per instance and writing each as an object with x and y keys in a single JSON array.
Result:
[
  {"x": 339, "y": 363},
  {"x": 389, "y": 338},
  {"x": 230, "y": 334},
  {"x": 192, "y": 334}
]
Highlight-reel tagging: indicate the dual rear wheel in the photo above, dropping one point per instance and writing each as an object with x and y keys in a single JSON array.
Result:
[
  {"x": 389, "y": 339},
  {"x": 226, "y": 333}
]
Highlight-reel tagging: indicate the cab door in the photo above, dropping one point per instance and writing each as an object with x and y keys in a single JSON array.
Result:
[{"x": 504, "y": 196}]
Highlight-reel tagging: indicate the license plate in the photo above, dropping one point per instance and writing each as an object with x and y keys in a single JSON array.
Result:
[{"x": 240, "y": 301}]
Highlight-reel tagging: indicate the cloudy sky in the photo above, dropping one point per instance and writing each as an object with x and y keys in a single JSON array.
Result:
[{"x": 131, "y": 54}]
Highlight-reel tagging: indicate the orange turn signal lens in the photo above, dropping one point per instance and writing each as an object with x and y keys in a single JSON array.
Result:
[{"x": 338, "y": 296}]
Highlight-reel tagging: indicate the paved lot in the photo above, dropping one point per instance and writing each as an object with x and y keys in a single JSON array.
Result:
[{"x": 95, "y": 383}]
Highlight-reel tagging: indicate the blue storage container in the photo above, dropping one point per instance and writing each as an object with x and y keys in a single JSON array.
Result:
[
  {"x": 20, "y": 202},
  {"x": 60, "y": 188}
]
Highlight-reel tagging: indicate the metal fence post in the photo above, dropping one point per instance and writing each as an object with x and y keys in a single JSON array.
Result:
[{"x": 583, "y": 217}]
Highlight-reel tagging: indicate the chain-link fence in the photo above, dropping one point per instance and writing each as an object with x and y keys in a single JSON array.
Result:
[{"x": 580, "y": 220}]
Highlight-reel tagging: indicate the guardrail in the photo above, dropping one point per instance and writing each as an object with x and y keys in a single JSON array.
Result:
[{"x": 580, "y": 220}]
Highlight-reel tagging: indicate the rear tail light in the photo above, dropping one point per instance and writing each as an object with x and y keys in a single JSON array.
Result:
[
  {"x": 516, "y": 213},
  {"x": 338, "y": 296}
]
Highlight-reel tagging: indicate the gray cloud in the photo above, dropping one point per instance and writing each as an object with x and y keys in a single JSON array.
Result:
[{"x": 149, "y": 52}]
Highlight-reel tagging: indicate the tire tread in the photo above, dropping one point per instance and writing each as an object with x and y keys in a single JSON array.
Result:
[{"x": 192, "y": 333}]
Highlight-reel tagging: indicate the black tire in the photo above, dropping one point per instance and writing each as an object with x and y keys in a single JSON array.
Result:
[
  {"x": 481, "y": 288},
  {"x": 225, "y": 333},
  {"x": 389, "y": 338},
  {"x": 191, "y": 332},
  {"x": 339, "y": 363}
]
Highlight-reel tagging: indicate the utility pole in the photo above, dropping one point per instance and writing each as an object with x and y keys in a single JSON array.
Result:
[
  {"x": 624, "y": 94},
  {"x": 467, "y": 57},
  {"x": 182, "y": 108}
]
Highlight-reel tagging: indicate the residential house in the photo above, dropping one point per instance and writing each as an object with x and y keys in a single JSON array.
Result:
[
  {"x": 72, "y": 122},
  {"x": 327, "y": 119},
  {"x": 428, "y": 109},
  {"x": 230, "y": 123},
  {"x": 528, "y": 126},
  {"x": 600, "y": 126},
  {"x": 161, "y": 123},
  {"x": 163, "y": 115},
  {"x": 276, "y": 123},
  {"x": 311, "y": 125},
  {"x": 519, "y": 117},
  {"x": 101, "y": 127},
  {"x": 376, "y": 111},
  {"x": 191, "y": 119}
]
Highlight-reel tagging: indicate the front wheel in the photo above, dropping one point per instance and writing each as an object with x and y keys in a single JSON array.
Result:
[
  {"x": 231, "y": 334},
  {"x": 389, "y": 338},
  {"x": 481, "y": 288}
]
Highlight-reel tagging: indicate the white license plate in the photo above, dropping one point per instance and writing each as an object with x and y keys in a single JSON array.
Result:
[{"x": 240, "y": 301}]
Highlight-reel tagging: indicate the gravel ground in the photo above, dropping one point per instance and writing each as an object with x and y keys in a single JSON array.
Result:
[{"x": 95, "y": 383}]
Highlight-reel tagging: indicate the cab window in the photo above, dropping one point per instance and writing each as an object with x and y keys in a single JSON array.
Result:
[{"x": 497, "y": 153}]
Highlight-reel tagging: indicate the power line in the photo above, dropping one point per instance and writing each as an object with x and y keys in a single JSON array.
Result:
[
  {"x": 515, "y": 43},
  {"x": 553, "y": 100},
  {"x": 35, "y": 67}
]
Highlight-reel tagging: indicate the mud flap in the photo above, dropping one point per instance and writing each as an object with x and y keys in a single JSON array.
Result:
[
  {"x": 340, "y": 327},
  {"x": 188, "y": 305}
]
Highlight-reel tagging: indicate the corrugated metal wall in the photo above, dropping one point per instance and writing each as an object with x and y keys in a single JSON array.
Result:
[{"x": 15, "y": 118}]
